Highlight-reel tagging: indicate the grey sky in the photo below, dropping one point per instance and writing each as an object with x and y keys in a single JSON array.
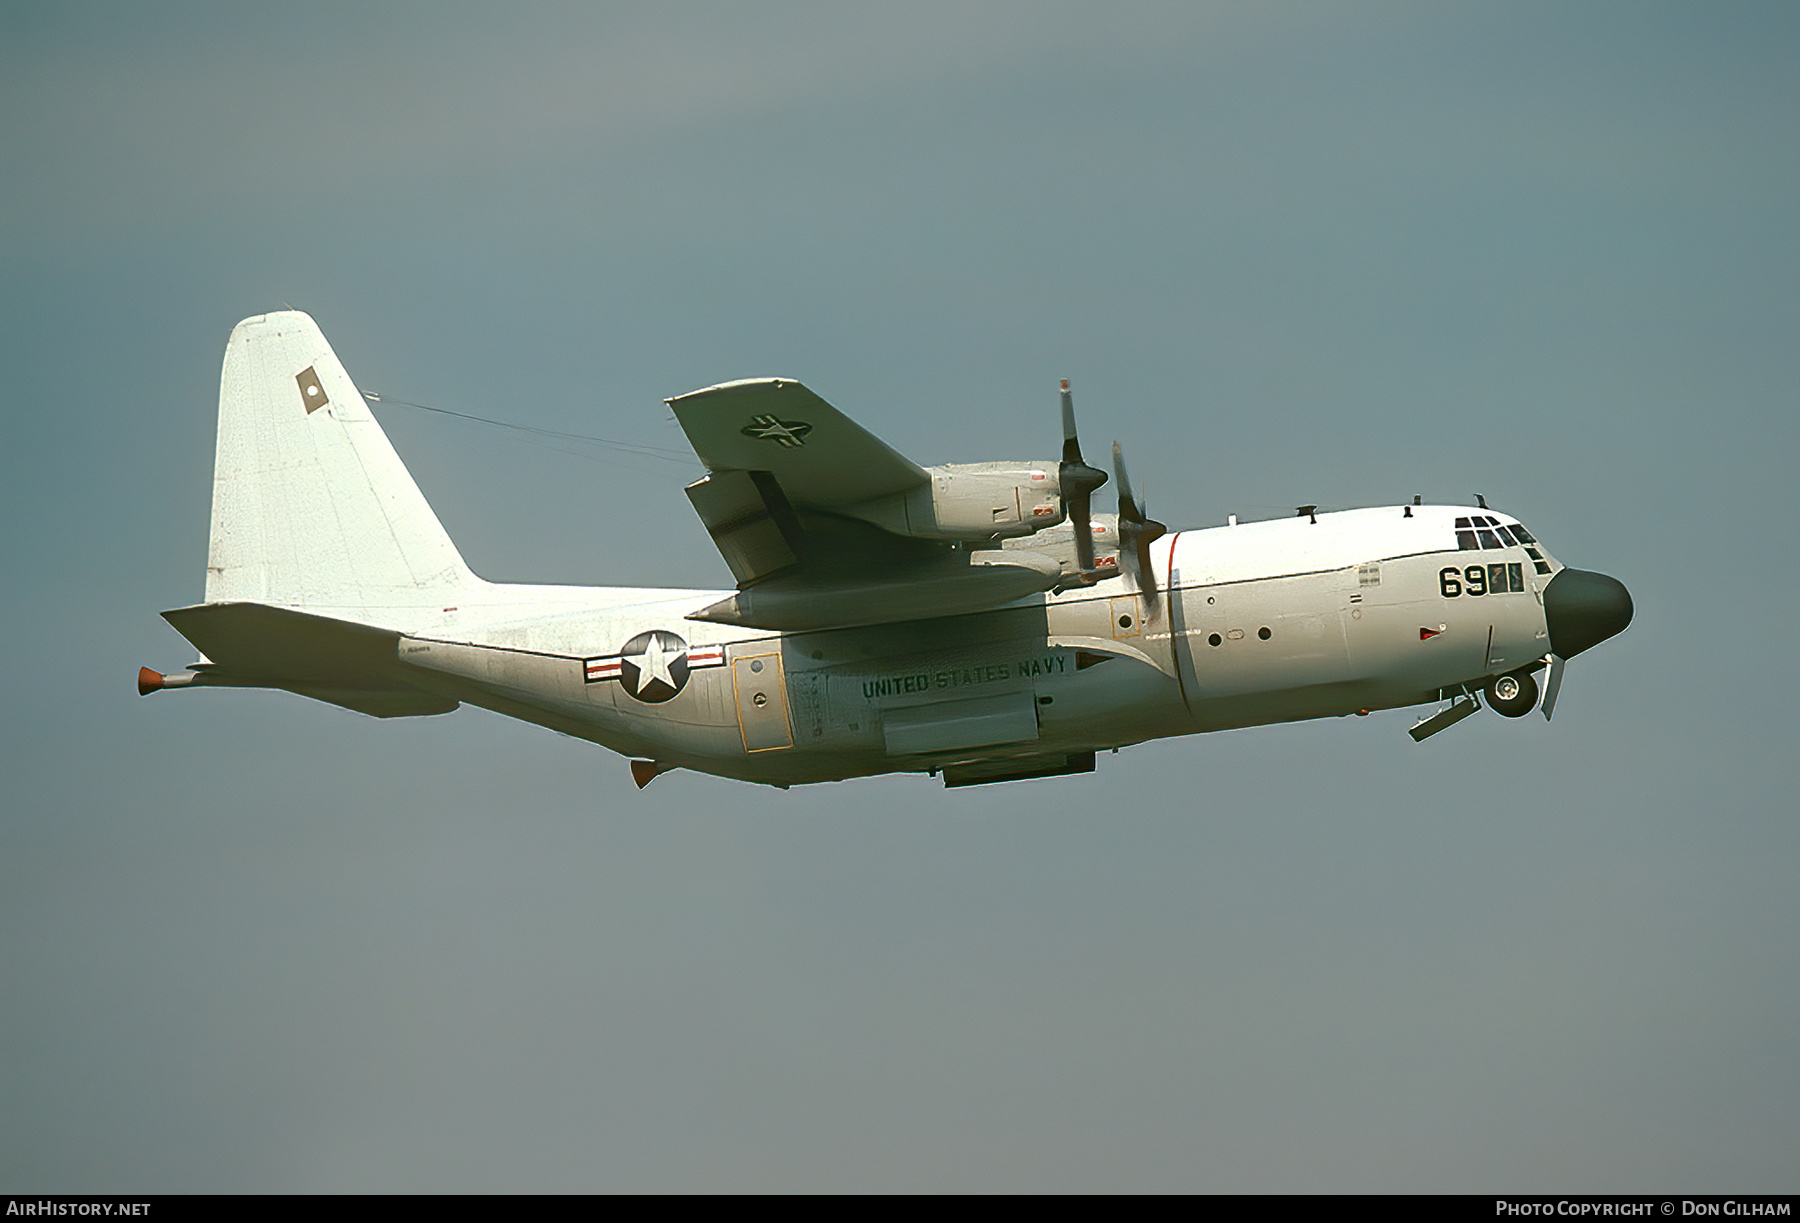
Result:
[{"x": 1288, "y": 253}]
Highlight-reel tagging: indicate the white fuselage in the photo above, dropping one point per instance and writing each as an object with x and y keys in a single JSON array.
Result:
[{"x": 1262, "y": 622}]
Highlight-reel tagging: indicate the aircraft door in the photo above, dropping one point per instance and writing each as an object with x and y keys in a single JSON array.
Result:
[{"x": 762, "y": 712}]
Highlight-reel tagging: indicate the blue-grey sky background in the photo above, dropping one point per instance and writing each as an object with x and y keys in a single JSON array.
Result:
[{"x": 1288, "y": 253}]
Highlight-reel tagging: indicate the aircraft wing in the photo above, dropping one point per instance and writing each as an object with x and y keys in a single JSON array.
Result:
[
  {"x": 819, "y": 456},
  {"x": 787, "y": 500}
]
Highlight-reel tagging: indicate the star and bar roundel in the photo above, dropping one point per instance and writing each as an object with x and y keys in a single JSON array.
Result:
[
  {"x": 790, "y": 434},
  {"x": 653, "y": 666}
]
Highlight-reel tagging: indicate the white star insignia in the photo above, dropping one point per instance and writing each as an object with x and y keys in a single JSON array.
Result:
[{"x": 653, "y": 664}]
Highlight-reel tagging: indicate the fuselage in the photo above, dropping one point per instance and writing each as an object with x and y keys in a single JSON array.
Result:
[{"x": 1314, "y": 616}]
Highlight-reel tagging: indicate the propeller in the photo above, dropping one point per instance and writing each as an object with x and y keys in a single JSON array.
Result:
[
  {"x": 1077, "y": 482},
  {"x": 1136, "y": 534}
]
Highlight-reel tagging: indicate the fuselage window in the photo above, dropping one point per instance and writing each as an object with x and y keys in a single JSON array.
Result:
[
  {"x": 1463, "y": 522},
  {"x": 1489, "y": 539},
  {"x": 1466, "y": 541}
]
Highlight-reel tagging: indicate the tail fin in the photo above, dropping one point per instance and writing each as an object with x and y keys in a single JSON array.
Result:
[{"x": 311, "y": 506}]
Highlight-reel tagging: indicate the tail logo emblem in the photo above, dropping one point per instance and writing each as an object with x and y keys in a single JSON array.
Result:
[
  {"x": 653, "y": 667},
  {"x": 312, "y": 392}
]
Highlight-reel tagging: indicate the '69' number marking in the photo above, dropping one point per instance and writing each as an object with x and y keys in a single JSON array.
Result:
[{"x": 1481, "y": 580}]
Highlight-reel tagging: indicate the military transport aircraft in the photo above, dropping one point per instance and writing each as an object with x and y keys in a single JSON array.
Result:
[{"x": 978, "y": 622}]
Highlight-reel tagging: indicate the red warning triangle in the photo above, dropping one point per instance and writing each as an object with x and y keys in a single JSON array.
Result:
[{"x": 1426, "y": 634}]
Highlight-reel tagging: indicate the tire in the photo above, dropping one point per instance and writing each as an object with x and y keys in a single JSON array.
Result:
[{"x": 1512, "y": 695}]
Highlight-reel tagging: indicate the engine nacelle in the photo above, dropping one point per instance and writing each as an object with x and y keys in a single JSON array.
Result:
[
  {"x": 971, "y": 501},
  {"x": 1058, "y": 543}
]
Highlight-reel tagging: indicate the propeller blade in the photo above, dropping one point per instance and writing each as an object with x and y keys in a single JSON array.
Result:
[
  {"x": 1082, "y": 523},
  {"x": 1552, "y": 685},
  {"x": 1146, "y": 571},
  {"x": 1127, "y": 503},
  {"x": 1136, "y": 533},
  {"x": 1071, "y": 446},
  {"x": 1076, "y": 481}
]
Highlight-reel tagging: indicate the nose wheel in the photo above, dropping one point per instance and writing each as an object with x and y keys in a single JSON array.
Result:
[{"x": 1512, "y": 695}]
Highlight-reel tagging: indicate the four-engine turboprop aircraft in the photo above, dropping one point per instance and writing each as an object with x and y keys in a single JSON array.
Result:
[{"x": 974, "y": 621}]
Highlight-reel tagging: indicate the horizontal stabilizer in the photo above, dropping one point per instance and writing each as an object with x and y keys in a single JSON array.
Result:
[{"x": 250, "y": 645}]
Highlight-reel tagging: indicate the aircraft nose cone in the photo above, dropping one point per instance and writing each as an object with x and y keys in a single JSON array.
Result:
[{"x": 1583, "y": 609}]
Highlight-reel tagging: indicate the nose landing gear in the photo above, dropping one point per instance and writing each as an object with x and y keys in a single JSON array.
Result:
[{"x": 1511, "y": 695}]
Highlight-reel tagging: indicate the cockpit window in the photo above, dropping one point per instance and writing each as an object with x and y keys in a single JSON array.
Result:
[{"x": 1479, "y": 531}]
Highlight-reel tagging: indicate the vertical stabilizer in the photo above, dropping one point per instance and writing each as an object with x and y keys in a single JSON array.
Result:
[{"x": 311, "y": 506}]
